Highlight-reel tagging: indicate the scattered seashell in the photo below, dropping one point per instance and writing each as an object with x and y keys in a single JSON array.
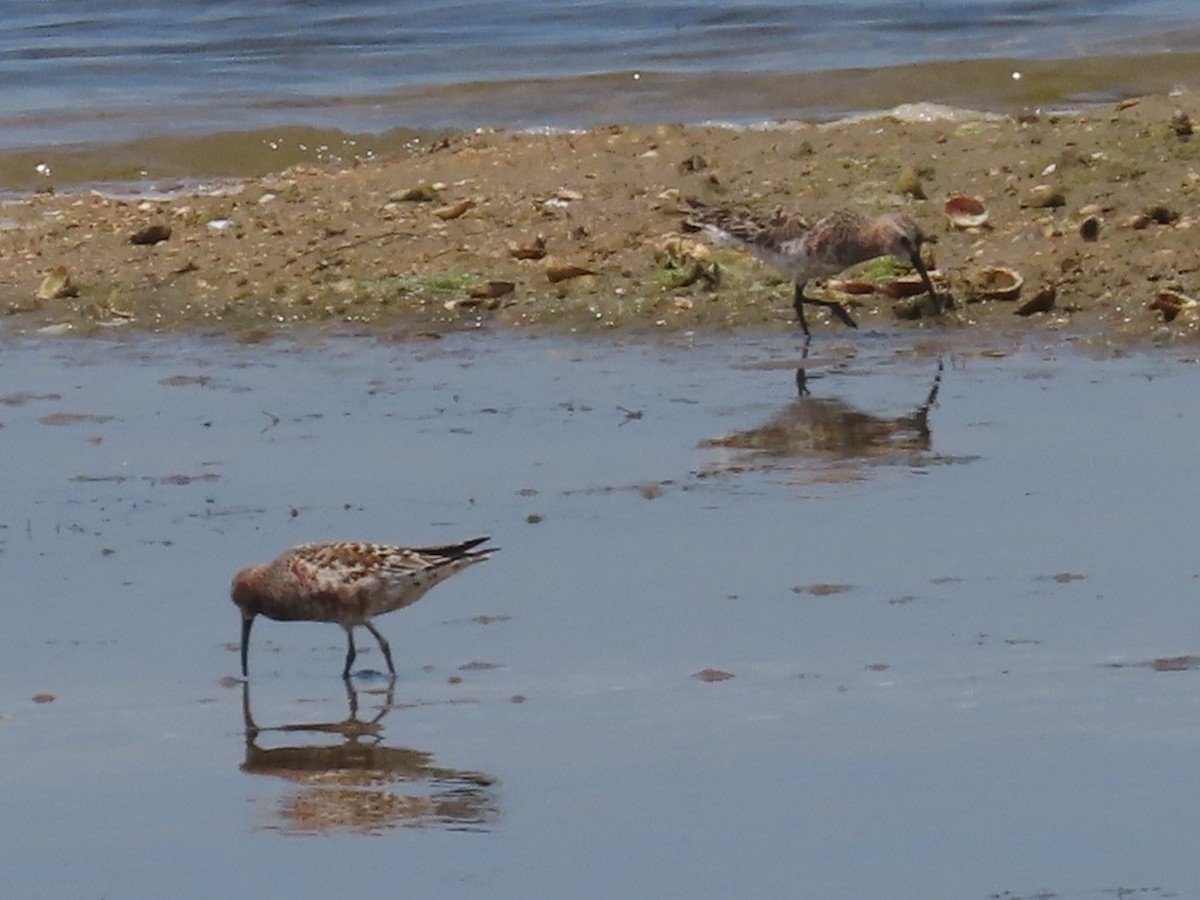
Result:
[
  {"x": 57, "y": 285},
  {"x": 908, "y": 184},
  {"x": 557, "y": 272},
  {"x": 490, "y": 289},
  {"x": 453, "y": 211},
  {"x": 996, "y": 283},
  {"x": 1089, "y": 228},
  {"x": 536, "y": 250},
  {"x": 150, "y": 235},
  {"x": 219, "y": 224},
  {"x": 966, "y": 212},
  {"x": 1172, "y": 303},
  {"x": 692, "y": 164},
  {"x": 1043, "y": 196},
  {"x": 566, "y": 195},
  {"x": 1040, "y": 302}
]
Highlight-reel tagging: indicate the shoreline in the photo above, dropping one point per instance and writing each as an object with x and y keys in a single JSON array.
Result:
[
  {"x": 218, "y": 136},
  {"x": 580, "y": 232}
]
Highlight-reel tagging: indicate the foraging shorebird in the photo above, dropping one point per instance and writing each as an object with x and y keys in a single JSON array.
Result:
[
  {"x": 802, "y": 251},
  {"x": 347, "y": 583}
]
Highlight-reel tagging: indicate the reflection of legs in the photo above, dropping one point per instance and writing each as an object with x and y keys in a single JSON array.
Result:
[
  {"x": 383, "y": 645},
  {"x": 837, "y": 308},
  {"x": 247, "y": 718},
  {"x": 350, "y": 652},
  {"x": 921, "y": 417},
  {"x": 933, "y": 391},
  {"x": 352, "y": 699},
  {"x": 801, "y": 375}
]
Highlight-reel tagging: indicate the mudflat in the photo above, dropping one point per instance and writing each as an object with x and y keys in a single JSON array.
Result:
[{"x": 1089, "y": 229}]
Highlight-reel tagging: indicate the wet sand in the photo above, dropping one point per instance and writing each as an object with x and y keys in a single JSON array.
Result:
[{"x": 582, "y": 232}]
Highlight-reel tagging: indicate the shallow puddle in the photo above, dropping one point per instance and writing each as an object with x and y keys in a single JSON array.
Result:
[{"x": 928, "y": 630}]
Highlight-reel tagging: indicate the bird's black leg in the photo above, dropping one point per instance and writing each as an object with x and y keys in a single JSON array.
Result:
[
  {"x": 350, "y": 652},
  {"x": 246, "y": 623},
  {"x": 384, "y": 646},
  {"x": 247, "y": 718},
  {"x": 837, "y": 308},
  {"x": 799, "y": 305}
]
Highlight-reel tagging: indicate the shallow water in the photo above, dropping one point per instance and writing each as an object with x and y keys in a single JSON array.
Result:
[
  {"x": 960, "y": 631},
  {"x": 85, "y": 71}
]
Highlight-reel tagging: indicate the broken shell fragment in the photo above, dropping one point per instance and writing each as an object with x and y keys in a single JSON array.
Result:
[
  {"x": 56, "y": 285},
  {"x": 996, "y": 283},
  {"x": 913, "y": 308},
  {"x": 850, "y": 286},
  {"x": 698, "y": 270},
  {"x": 1041, "y": 302},
  {"x": 966, "y": 212},
  {"x": 536, "y": 250},
  {"x": 422, "y": 192},
  {"x": 557, "y": 272},
  {"x": 1161, "y": 215},
  {"x": 1043, "y": 196},
  {"x": 908, "y": 184},
  {"x": 453, "y": 211},
  {"x": 151, "y": 234},
  {"x": 491, "y": 289},
  {"x": 472, "y": 302},
  {"x": 1172, "y": 303},
  {"x": 910, "y": 285}
]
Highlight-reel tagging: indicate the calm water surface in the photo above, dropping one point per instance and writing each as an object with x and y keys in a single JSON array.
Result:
[
  {"x": 90, "y": 71},
  {"x": 961, "y": 629}
]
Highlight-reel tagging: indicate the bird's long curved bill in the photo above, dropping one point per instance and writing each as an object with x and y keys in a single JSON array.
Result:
[{"x": 919, "y": 265}]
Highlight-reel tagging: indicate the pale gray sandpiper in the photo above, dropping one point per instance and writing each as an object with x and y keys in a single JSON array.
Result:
[
  {"x": 346, "y": 583},
  {"x": 801, "y": 250}
]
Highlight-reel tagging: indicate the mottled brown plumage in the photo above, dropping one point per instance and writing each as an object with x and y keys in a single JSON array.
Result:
[
  {"x": 347, "y": 583},
  {"x": 801, "y": 250}
]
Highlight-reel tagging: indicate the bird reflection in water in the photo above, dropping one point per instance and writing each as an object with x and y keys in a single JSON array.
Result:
[
  {"x": 352, "y": 782},
  {"x": 827, "y": 430}
]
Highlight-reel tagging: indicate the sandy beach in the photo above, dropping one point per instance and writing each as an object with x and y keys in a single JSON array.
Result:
[{"x": 583, "y": 232}]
